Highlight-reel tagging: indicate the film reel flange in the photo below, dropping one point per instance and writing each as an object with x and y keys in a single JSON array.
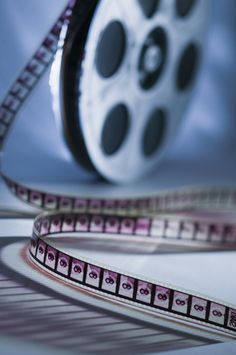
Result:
[{"x": 125, "y": 75}]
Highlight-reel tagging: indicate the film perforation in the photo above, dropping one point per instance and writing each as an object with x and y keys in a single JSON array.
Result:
[
  {"x": 166, "y": 223},
  {"x": 135, "y": 289},
  {"x": 117, "y": 284},
  {"x": 37, "y": 245},
  {"x": 208, "y": 307},
  {"x": 226, "y": 320},
  {"x": 189, "y": 305},
  {"x": 45, "y": 254},
  {"x": 171, "y": 299},
  {"x": 101, "y": 279},
  {"x": 85, "y": 270},
  {"x": 56, "y": 260}
]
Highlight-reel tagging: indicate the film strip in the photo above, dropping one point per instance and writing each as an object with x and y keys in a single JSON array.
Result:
[
  {"x": 31, "y": 74},
  {"x": 139, "y": 217},
  {"x": 118, "y": 285},
  {"x": 167, "y": 201}
]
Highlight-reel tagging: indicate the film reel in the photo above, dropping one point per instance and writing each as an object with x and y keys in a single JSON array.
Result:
[{"x": 125, "y": 74}]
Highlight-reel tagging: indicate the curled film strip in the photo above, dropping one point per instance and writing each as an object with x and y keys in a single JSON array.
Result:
[
  {"x": 141, "y": 218},
  {"x": 30, "y": 75}
]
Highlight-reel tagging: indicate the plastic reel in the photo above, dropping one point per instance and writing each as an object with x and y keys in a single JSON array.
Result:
[{"x": 124, "y": 77}]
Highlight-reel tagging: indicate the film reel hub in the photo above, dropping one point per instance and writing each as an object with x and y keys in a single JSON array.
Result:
[{"x": 153, "y": 58}]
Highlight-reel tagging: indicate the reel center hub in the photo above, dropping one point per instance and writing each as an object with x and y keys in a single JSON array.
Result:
[{"x": 152, "y": 58}]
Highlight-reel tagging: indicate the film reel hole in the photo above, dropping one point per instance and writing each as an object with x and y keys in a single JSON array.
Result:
[
  {"x": 152, "y": 58},
  {"x": 184, "y": 7},
  {"x": 187, "y": 66},
  {"x": 111, "y": 49},
  {"x": 154, "y": 132},
  {"x": 149, "y": 7},
  {"x": 115, "y": 129}
]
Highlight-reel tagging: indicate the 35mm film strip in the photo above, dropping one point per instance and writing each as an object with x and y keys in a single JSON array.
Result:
[
  {"x": 122, "y": 286},
  {"x": 139, "y": 217},
  {"x": 31, "y": 74}
]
